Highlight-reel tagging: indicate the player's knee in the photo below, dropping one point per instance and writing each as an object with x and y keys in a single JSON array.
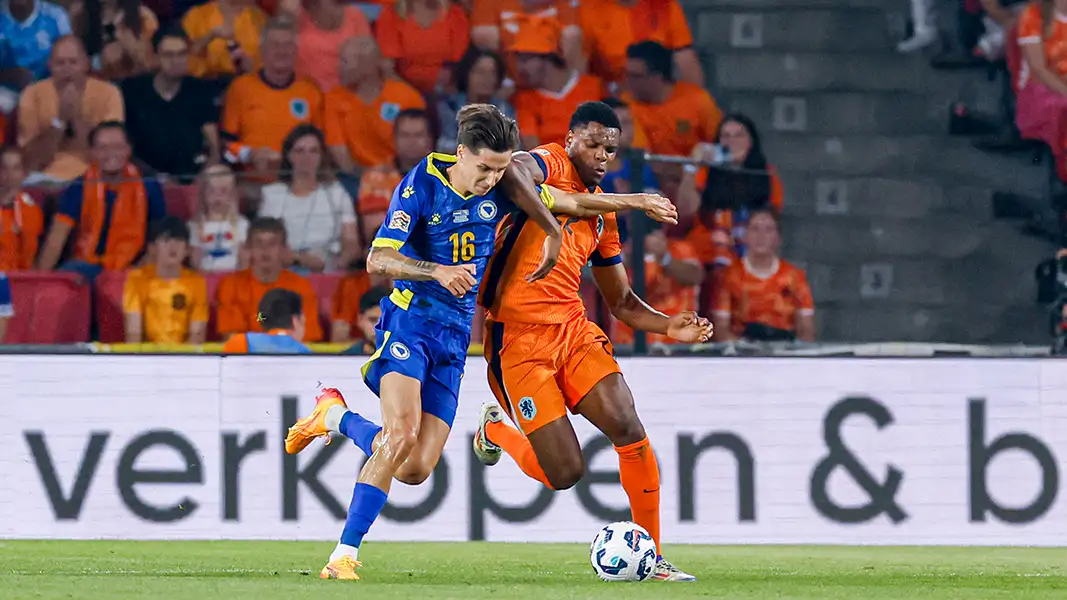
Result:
[
  {"x": 565, "y": 473},
  {"x": 414, "y": 472},
  {"x": 398, "y": 441},
  {"x": 628, "y": 430}
]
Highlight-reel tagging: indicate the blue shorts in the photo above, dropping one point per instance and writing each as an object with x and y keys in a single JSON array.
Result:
[{"x": 433, "y": 353}]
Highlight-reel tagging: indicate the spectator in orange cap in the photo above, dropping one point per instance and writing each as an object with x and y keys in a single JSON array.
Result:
[
  {"x": 551, "y": 91},
  {"x": 496, "y": 24},
  {"x": 324, "y": 25},
  {"x": 421, "y": 39},
  {"x": 225, "y": 36}
]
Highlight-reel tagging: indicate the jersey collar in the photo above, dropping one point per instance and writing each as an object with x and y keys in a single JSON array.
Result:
[{"x": 431, "y": 168}]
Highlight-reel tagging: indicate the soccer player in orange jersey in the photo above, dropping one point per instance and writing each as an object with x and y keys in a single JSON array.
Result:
[{"x": 545, "y": 357}]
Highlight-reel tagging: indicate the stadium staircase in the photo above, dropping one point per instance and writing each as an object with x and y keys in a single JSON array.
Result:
[{"x": 891, "y": 217}]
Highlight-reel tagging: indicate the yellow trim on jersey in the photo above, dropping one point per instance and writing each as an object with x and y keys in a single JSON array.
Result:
[
  {"x": 432, "y": 169},
  {"x": 547, "y": 198},
  {"x": 386, "y": 243},
  {"x": 374, "y": 357},
  {"x": 402, "y": 298}
]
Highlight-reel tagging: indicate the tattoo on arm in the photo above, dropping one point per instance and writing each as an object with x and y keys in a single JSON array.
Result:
[{"x": 386, "y": 261}]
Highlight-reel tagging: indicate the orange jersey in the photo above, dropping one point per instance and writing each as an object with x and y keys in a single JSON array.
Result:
[
  {"x": 775, "y": 298},
  {"x": 346, "y": 299},
  {"x": 215, "y": 59},
  {"x": 545, "y": 115},
  {"x": 167, "y": 306},
  {"x": 259, "y": 115},
  {"x": 556, "y": 298},
  {"x": 239, "y": 295},
  {"x": 663, "y": 293},
  {"x": 510, "y": 16},
  {"x": 366, "y": 129},
  {"x": 719, "y": 235},
  {"x": 1032, "y": 31},
  {"x": 21, "y": 225},
  {"x": 610, "y": 28},
  {"x": 688, "y": 116},
  {"x": 422, "y": 52}
]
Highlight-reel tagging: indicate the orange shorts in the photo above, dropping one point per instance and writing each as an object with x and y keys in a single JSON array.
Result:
[{"x": 539, "y": 372}]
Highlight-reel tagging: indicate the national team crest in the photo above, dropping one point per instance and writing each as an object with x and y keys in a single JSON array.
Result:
[
  {"x": 487, "y": 210},
  {"x": 400, "y": 221},
  {"x": 389, "y": 111},
  {"x": 299, "y": 108},
  {"x": 527, "y": 408},
  {"x": 178, "y": 302},
  {"x": 399, "y": 351}
]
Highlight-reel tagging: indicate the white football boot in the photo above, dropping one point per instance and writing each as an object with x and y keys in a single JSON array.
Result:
[{"x": 486, "y": 451}]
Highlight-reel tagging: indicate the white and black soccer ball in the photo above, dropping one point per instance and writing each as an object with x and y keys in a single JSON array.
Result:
[{"x": 623, "y": 551}]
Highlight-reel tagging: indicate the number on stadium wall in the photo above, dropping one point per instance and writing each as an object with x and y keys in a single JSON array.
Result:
[{"x": 462, "y": 246}]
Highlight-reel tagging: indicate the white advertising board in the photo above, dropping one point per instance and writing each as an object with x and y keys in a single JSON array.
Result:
[{"x": 845, "y": 451}]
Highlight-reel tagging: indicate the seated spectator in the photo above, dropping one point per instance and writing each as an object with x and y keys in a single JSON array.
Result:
[
  {"x": 421, "y": 39},
  {"x": 21, "y": 219},
  {"x": 117, "y": 36},
  {"x": 414, "y": 140},
  {"x": 174, "y": 128},
  {"x": 764, "y": 298},
  {"x": 320, "y": 221},
  {"x": 612, "y": 26},
  {"x": 478, "y": 77},
  {"x": 495, "y": 24},
  {"x": 674, "y": 114},
  {"x": 1041, "y": 111},
  {"x": 323, "y": 26},
  {"x": 219, "y": 230},
  {"x": 57, "y": 114},
  {"x": 7, "y": 308},
  {"x": 550, "y": 90},
  {"x": 108, "y": 210},
  {"x": 30, "y": 29},
  {"x": 225, "y": 37},
  {"x": 281, "y": 314},
  {"x": 164, "y": 302},
  {"x": 261, "y": 108},
  {"x": 356, "y": 310},
  {"x": 617, "y": 179},
  {"x": 672, "y": 273},
  {"x": 361, "y": 111},
  {"x": 240, "y": 293}
]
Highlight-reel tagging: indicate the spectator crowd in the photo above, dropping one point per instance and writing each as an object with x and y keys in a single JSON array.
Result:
[{"x": 204, "y": 154}]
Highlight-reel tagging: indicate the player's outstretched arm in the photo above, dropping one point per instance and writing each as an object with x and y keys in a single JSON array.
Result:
[
  {"x": 577, "y": 204},
  {"x": 458, "y": 279},
  {"x": 633, "y": 311},
  {"x": 520, "y": 181}
]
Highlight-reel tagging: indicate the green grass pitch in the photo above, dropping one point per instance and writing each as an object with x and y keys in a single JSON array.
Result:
[{"x": 469, "y": 571}]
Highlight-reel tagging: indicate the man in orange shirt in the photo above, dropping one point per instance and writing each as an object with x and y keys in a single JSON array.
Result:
[
  {"x": 496, "y": 24},
  {"x": 164, "y": 302},
  {"x": 225, "y": 37},
  {"x": 359, "y": 317},
  {"x": 239, "y": 293},
  {"x": 545, "y": 357},
  {"x": 281, "y": 314},
  {"x": 361, "y": 111},
  {"x": 675, "y": 115},
  {"x": 764, "y": 297},
  {"x": 21, "y": 219},
  {"x": 260, "y": 109}
]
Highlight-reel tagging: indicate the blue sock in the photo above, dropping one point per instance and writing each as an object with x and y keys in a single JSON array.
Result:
[
  {"x": 359, "y": 430},
  {"x": 367, "y": 502}
]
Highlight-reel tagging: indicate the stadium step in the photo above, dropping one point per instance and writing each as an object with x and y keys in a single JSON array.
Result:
[
  {"x": 850, "y": 29},
  {"x": 827, "y": 237},
  {"x": 883, "y": 197},
  {"x": 891, "y": 112},
  {"x": 976, "y": 323}
]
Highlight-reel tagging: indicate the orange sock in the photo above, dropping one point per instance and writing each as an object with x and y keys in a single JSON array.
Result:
[
  {"x": 639, "y": 473},
  {"x": 518, "y": 447}
]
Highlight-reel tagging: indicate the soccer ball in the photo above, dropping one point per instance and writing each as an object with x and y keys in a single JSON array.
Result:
[{"x": 623, "y": 551}]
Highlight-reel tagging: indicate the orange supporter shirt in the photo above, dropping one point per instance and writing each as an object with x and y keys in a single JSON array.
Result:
[
  {"x": 1032, "y": 31},
  {"x": 167, "y": 306},
  {"x": 546, "y": 115},
  {"x": 376, "y": 188},
  {"x": 366, "y": 129},
  {"x": 21, "y": 226},
  {"x": 722, "y": 222},
  {"x": 318, "y": 53},
  {"x": 663, "y": 292},
  {"x": 421, "y": 52},
  {"x": 346, "y": 298},
  {"x": 688, "y": 116},
  {"x": 556, "y": 298},
  {"x": 775, "y": 298},
  {"x": 511, "y": 15},
  {"x": 259, "y": 115},
  {"x": 239, "y": 295},
  {"x": 215, "y": 60},
  {"x": 610, "y": 28}
]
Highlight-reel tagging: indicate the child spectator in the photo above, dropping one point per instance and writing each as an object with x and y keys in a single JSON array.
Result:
[
  {"x": 495, "y": 24},
  {"x": 281, "y": 314},
  {"x": 219, "y": 231},
  {"x": 164, "y": 302},
  {"x": 31, "y": 28},
  {"x": 421, "y": 39},
  {"x": 320, "y": 221},
  {"x": 764, "y": 298},
  {"x": 1041, "y": 111},
  {"x": 56, "y": 115},
  {"x": 414, "y": 140},
  {"x": 361, "y": 111},
  {"x": 7, "y": 308},
  {"x": 323, "y": 26},
  {"x": 117, "y": 36},
  {"x": 356, "y": 312},
  {"x": 21, "y": 219},
  {"x": 240, "y": 293},
  {"x": 225, "y": 35},
  {"x": 478, "y": 76},
  {"x": 108, "y": 210}
]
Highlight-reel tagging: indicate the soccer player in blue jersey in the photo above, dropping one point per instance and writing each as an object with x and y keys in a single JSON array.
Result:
[{"x": 435, "y": 242}]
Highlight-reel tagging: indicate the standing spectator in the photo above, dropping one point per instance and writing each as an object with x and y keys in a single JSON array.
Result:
[
  {"x": 355, "y": 315},
  {"x": 164, "y": 302},
  {"x": 612, "y": 26},
  {"x": 108, "y": 210},
  {"x": 118, "y": 36},
  {"x": 7, "y": 308},
  {"x": 261, "y": 108},
  {"x": 361, "y": 111},
  {"x": 225, "y": 35},
  {"x": 56, "y": 115},
  {"x": 414, "y": 140},
  {"x": 478, "y": 76},
  {"x": 219, "y": 231},
  {"x": 1041, "y": 111},
  {"x": 764, "y": 298},
  {"x": 21, "y": 219},
  {"x": 31, "y": 28},
  {"x": 675, "y": 115},
  {"x": 281, "y": 314},
  {"x": 323, "y": 26},
  {"x": 617, "y": 179},
  {"x": 320, "y": 222},
  {"x": 239, "y": 293},
  {"x": 495, "y": 24},
  {"x": 174, "y": 128},
  {"x": 421, "y": 39}
]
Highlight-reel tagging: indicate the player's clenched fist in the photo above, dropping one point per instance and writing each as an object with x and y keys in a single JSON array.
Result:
[
  {"x": 458, "y": 279},
  {"x": 659, "y": 209},
  {"x": 689, "y": 327}
]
